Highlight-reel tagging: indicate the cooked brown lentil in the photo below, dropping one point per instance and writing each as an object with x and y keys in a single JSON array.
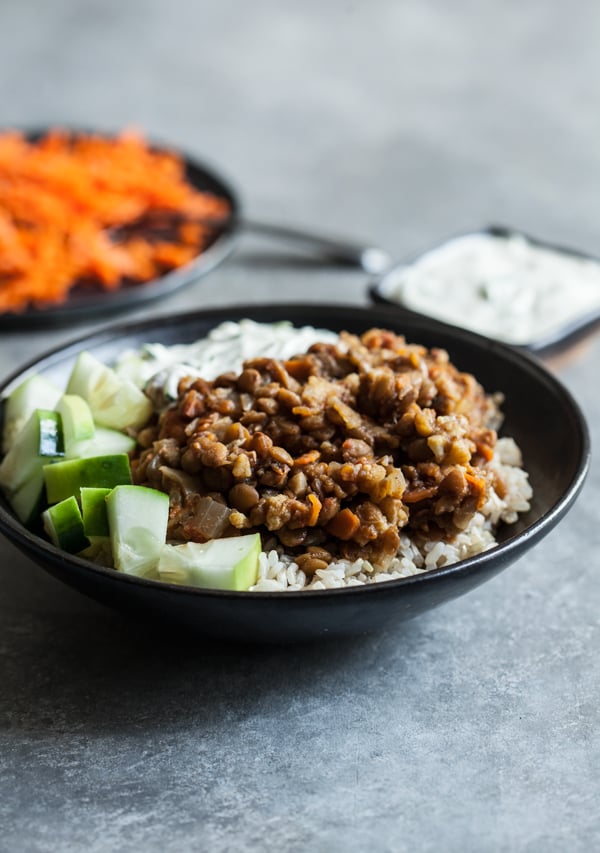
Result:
[{"x": 333, "y": 452}]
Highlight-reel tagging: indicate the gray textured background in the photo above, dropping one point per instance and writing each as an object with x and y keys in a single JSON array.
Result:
[{"x": 474, "y": 728}]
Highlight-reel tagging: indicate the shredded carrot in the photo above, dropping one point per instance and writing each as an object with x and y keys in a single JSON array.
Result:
[
  {"x": 307, "y": 458},
  {"x": 301, "y": 411},
  {"x": 420, "y": 494},
  {"x": 315, "y": 509},
  {"x": 485, "y": 450},
  {"x": 477, "y": 487},
  {"x": 82, "y": 210}
]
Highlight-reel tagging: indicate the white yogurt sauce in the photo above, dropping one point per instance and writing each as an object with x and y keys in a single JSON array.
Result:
[
  {"x": 503, "y": 287},
  {"x": 224, "y": 349}
]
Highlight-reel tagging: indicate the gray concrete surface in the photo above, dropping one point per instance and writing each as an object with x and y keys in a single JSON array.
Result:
[{"x": 475, "y": 728}]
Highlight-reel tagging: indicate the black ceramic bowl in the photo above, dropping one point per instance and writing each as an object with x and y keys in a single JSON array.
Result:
[
  {"x": 533, "y": 398},
  {"x": 564, "y": 334}
]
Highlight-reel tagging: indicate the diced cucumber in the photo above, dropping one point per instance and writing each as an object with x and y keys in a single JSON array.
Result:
[
  {"x": 40, "y": 439},
  {"x": 105, "y": 441},
  {"x": 30, "y": 499},
  {"x": 99, "y": 552},
  {"x": 230, "y": 563},
  {"x": 66, "y": 478},
  {"x": 115, "y": 402},
  {"x": 35, "y": 392},
  {"x": 93, "y": 510},
  {"x": 77, "y": 420},
  {"x": 64, "y": 525},
  {"x": 137, "y": 520}
]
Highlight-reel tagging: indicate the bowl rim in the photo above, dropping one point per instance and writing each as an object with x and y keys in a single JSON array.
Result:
[{"x": 17, "y": 533}]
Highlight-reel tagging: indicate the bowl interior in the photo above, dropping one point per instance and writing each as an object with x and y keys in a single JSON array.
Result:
[{"x": 539, "y": 413}]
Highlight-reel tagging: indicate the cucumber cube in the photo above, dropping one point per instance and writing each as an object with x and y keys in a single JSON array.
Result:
[
  {"x": 93, "y": 510},
  {"x": 137, "y": 521},
  {"x": 35, "y": 392},
  {"x": 77, "y": 420},
  {"x": 230, "y": 563},
  {"x": 30, "y": 499},
  {"x": 104, "y": 442},
  {"x": 99, "y": 552},
  {"x": 66, "y": 478},
  {"x": 115, "y": 402},
  {"x": 64, "y": 525},
  {"x": 40, "y": 439}
]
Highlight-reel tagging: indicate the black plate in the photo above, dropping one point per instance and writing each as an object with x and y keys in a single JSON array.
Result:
[
  {"x": 86, "y": 305},
  {"x": 564, "y": 336},
  {"x": 540, "y": 414}
]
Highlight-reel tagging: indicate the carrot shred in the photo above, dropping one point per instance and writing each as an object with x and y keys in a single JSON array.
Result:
[
  {"x": 485, "y": 451},
  {"x": 420, "y": 494},
  {"x": 315, "y": 509},
  {"x": 84, "y": 210},
  {"x": 307, "y": 458},
  {"x": 477, "y": 487}
]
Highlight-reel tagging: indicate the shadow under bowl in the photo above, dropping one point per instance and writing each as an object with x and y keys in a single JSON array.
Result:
[{"x": 540, "y": 414}]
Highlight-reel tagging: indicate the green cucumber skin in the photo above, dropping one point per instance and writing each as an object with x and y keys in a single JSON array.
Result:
[
  {"x": 93, "y": 510},
  {"x": 35, "y": 392},
  {"x": 51, "y": 439},
  {"x": 66, "y": 478},
  {"x": 77, "y": 420},
  {"x": 64, "y": 525},
  {"x": 39, "y": 441},
  {"x": 217, "y": 564}
]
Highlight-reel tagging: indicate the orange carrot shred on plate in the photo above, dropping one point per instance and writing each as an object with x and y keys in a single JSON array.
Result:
[{"x": 92, "y": 211}]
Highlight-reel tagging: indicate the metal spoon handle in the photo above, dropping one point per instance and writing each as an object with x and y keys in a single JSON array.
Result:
[{"x": 371, "y": 259}]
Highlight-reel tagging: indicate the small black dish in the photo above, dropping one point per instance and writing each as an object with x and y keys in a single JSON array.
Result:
[
  {"x": 564, "y": 335},
  {"x": 539, "y": 413}
]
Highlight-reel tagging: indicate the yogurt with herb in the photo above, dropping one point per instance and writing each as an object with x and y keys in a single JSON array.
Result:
[
  {"x": 159, "y": 368},
  {"x": 507, "y": 288}
]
